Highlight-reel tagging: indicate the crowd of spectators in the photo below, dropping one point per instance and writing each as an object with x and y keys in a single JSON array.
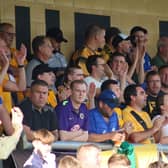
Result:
[{"x": 111, "y": 90}]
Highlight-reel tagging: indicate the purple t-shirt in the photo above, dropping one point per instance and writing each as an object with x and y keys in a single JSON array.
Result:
[{"x": 69, "y": 119}]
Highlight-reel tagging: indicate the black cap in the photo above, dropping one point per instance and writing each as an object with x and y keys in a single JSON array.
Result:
[
  {"x": 40, "y": 69},
  {"x": 57, "y": 34}
]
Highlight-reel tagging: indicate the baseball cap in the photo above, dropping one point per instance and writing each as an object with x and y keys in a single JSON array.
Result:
[
  {"x": 119, "y": 38},
  {"x": 57, "y": 34},
  {"x": 109, "y": 98},
  {"x": 40, "y": 69}
]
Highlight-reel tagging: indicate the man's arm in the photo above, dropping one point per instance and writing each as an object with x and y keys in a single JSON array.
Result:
[
  {"x": 55, "y": 133},
  {"x": 5, "y": 119},
  {"x": 114, "y": 136},
  {"x": 30, "y": 136},
  {"x": 74, "y": 135},
  {"x": 28, "y": 132},
  {"x": 137, "y": 137},
  {"x": 8, "y": 143}
]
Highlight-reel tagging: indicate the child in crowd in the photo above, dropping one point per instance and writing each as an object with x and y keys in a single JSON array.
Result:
[
  {"x": 69, "y": 162},
  {"x": 119, "y": 161},
  {"x": 42, "y": 156}
]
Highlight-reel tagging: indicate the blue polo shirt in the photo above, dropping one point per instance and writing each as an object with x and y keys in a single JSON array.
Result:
[
  {"x": 70, "y": 119},
  {"x": 98, "y": 125}
]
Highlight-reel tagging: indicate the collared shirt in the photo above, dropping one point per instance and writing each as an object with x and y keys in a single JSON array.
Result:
[
  {"x": 36, "y": 119},
  {"x": 137, "y": 127},
  {"x": 35, "y": 161},
  {"x": 69, "y": 119},
  {"x": 98, "y": 125}
]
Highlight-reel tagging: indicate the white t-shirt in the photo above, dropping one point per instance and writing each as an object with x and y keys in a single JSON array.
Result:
[{"x": 90, "y": 80}]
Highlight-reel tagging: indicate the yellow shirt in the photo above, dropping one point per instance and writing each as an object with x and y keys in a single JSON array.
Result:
[
  {"x": 137, "y": 127},
  {"x": 85, "y": 52},
  {"x": 52, "y": 98},
  {"x": 6, "y": 95},
  {"x": 120, "y": 116}
]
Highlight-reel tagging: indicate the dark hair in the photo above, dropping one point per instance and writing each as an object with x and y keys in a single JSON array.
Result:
[
  {"x": 136, "y": 29},
  {"x": 38, "y": 82},
  {"x": 106, "y": 84},
  {"x": 37, "y": 42},
  {"x": 77, "y": 82},
  {"x": 92, "y": 30},
  {"x": 114, "y": 55},
  {"x": 149, "y": 74},
  {"x": 130, "y": 91},
  {"x": 163, "y": 67},
  {"x": 159, "y": 102},
  {"x": 92, "y": 60},
  {"x": 111, "y": 32},
  {"x": 70, "y": 70}
]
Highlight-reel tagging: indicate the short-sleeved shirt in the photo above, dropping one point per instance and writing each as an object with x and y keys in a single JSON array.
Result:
[
  {"x": 37, "y": 120},
  {"x": 137, "y": 127},
  {"x": 69, "y": 119},
  {"x": 98, "y": 125},
  {"x": 97, "y": 83}
]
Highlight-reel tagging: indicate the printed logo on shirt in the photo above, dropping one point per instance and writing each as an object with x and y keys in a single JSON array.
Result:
[{"x": 82, "y": 116}]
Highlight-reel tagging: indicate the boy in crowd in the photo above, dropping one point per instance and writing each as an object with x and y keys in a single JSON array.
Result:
[{"x": 42, "y": 156}]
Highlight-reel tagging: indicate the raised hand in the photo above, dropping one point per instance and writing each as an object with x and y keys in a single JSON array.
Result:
[
  {"x": 21, "y": 54},
  {"x": 4, "y": 61},
  {"x": 17, "y": 115},
  {"x": 92, "y": 90}
]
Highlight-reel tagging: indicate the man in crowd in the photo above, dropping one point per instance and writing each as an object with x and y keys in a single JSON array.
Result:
[
  {"x": 94, "y": 39},
  {"x": 89, "y": 156},
  {"x": 163, "y": 72},
  {"x": 96, "y": 67},
  {"x": 143, "y": 129},
  {"x": 73, "y": 114},
  {"x": 161, "y": 57},
  {"x": 37, "y": 114},
  {"x": 42, "y": 49},
  {"x": 103, "y": 120},
  {"x": 153, "y": 91},
  {"x": 45, "y": 73},
  {"x": 58, "y": 59}
]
